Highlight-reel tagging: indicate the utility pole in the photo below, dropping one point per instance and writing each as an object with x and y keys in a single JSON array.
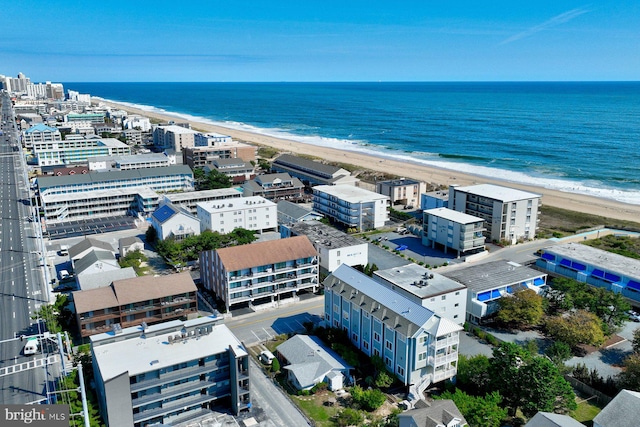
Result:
[{"x": 85, "y": 410}]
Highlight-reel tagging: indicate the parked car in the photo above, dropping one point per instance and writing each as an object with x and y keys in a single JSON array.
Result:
[
  {"x": 633, "y": 316},
  {"x": 267, "y": 357}
]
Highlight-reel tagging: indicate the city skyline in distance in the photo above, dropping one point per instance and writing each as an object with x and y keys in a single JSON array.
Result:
[{"x": 322, "y": 41}]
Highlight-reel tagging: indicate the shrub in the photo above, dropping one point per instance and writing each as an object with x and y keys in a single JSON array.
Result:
[
  {"x": 370, "y": 399},
  {"x": 350, "y": 417},
  {"x": 321, "y": 386}
]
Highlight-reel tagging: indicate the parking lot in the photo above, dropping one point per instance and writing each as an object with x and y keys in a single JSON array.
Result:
[{"x": 411, "y": 246}]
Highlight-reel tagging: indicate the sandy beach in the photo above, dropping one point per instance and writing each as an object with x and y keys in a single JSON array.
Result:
[{"x": 576, "y": 202}]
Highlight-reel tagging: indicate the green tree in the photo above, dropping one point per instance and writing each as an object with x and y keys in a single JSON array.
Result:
[
  {"x": 523, "y": 308},
  {"x": 635, "y": 343},
  {"x": 275, "y": 366},
  {"x": 151, "y": 235},
  {"x": 216, "y": 180},
  {"x": 350, "y": 417},
  {"x": 559, "y": 352},
  {"x": 473, "y": 374},
  {"x": 504, "y": 369},
  {"x": 369, "y": 400},
  {"x": 579, "y": 327},
  {"x": 479, "y": 411},
  {"x": 629, "y": 378},
  {"x": 545, "y": 388},
  {"x": 383, "y": 379}
]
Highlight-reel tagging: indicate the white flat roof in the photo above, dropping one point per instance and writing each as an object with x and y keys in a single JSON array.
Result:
[
  {"x": 498, "y": 192},
  {"x": 138, "y": 355},
  {"x": 419, "y": 281},
  {"x": 455, "y": 216},
  {"x": 205, "y": 194},
  {"x": 178, "y": 129},
  {"x": 233, "y": 204},
  {"x": 350, "y": 193},
  {"x": 145, "y": 192}
]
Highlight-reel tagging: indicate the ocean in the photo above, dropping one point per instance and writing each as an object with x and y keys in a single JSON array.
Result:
[{"x": 574, "y": 137}]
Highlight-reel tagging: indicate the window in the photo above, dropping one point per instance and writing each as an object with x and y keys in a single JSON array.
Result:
[
  {"x": 455, "y": 317},
  {"x": 387, "y": 360},
  {"x": 456, "y": 304},
  {"x": 338, "y": 253},
  {"x": 400, "y": 370},
  {"x": 422, "y": 356},
  {"x": 354, "y": 337},
  {"x": 365, "y": 345},
  {"x": 389, "y": 345},
  {"x": 444, "y": 297},
  {"x": 376, "y": 336},
  {"x": 376, "y": 352}
]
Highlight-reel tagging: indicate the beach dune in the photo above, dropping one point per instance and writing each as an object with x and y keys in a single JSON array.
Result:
[{"x": 571, "y": 201}]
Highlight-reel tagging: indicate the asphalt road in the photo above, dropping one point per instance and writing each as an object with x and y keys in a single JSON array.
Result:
[{"x": 22, "y": 284}]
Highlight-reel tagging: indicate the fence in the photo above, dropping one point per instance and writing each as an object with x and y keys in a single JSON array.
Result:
[{"x": 601, "y": 399}]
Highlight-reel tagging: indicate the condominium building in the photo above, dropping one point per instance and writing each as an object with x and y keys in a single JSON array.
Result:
[
  {"x": 251, "y": 213},
  {"x": 453, "y": 230},
  {"x": 351, "y": 206},
  {"x": 132, "y": 136},
  {"x": 599, "y": 268},
  {"x": 488, "y": 282},
  {"x": 93, "y": 118},
  {"x": 198, "y": 157},
  {"x": 40, "y": 133},
  {"x": 129, "y": 302},
  {"x": 189, "y": 200},
  {"x": 170, "y": 373},
  {"x": 268, "y": 272},
  {"x": 444, "y": 296},
  {"x": 211, "y": 139},
  {"x": 418, "y": 346},
  {"x": 137, "y": 122},
  {"x": 402, "y": 191},
  {"x": 334, "y": 246},
  {"x": 509, "y": 214},
  {"x": 100, "y": 194},
  {"x": 311, "y": 172},
  {"x": 72, "y": 151},
  {"x": 275, "y": 186},
  {"x": 172, "y": 137},
  {"x": 133, "y": 161}
]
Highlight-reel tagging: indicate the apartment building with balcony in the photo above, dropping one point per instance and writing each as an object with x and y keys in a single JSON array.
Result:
[
  {"x": 173, "y": 137},
  {"x": 198, "y": 157},
  {"x": 596, "y": 267},
  {"x": 509, "y": 214},
  {"x": 270, "y": 272},
  {"x": 115, "y": 193},
  {"x": 444, "y": 296},
  {"x": 129, "y": 302},
  {"x": 72, "y": 151},
  {"x": 251, "y": 213},
  {"x": 275, "y": 187},
  {"x": 402, "y": 191},
  {"x": 170, "y": 373},
  {"x": 419, "y": 347},
  {"x": 311, "y": 172},
  {"x": 453, "y": 230},
  {"x": 488, "y": 282},
  {"x": 351, "y": 206},
  {"x": 130, "y": 162},
  {"x": 189, "y": 200},
  {"x": 40, "y": 133}
]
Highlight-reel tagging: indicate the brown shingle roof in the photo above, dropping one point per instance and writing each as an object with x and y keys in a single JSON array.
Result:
[
  {"x": 128, "y": 291},
  {"x": 145, "y": 288},
  {"x": 255, "y": 254},
  {"x": 94, "y": 299}
]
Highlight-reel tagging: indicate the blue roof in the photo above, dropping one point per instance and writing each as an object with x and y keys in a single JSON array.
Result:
[
  {"x": 163, "y": 213},
  {"x": 396, "y": 302},
  {"x": 40, "y": 128}
]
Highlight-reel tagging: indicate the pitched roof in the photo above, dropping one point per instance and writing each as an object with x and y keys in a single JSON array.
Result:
[
  {"x": 622, "y": 411},
  {"x": 148, "y": 287},
  {"x": 40, "y": 128},
  {"x": 438, "y": 412},
  {"x": 262, "y": 253},
  {"x": 164, "y": 213},
  {"x": 294, "y": 210},
  {"x": 128, "y": 241},
  {"x": 104, "y": 278},
  {"x": 306, "y": 165},
  {"x": 549, "y": 419},
  {"x": 93, "y": 257},
  {"x": 94, "y": 299},
  {"x": 310, "y": 359},
  {"x": 88, "y": 243}
]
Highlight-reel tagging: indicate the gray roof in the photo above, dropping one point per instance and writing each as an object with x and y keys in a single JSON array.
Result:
[
  {"x": 410, "y": 276},
  {"x": 438, "y": 412},
  {"x": 310, "y": 359},
  {"x": 93, "y": 257},
  {"x": 398, "y": 304},
  {"x": 128, "y": 241},
  {"x": 306, "y": 165},
  {"x": 399, "y": 182},
  {"x": 549, "y": 419},
  {"x": 88, "y": 243},
  {"x": 270, "y": 177},
  {"x": 96, "y": 177},
  {"x": 294, "y": 210},
  {"x": 622, "y": 411},
  {"x": 238, "y": 162},
  {"x": 597, "y": 257},
  {"x": 323, "y": 235},
  {"x": 493, "y": 275},
  {"x": 104, "y": 278}
]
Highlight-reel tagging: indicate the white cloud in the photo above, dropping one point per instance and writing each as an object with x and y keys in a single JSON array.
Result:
[{"x": 556, "y": 20}]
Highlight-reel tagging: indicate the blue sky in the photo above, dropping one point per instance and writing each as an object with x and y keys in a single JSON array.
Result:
[{"x": 308, "y": 40}]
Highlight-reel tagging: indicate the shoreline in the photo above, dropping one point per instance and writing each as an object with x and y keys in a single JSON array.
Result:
[{"x": 565, "y": 200}]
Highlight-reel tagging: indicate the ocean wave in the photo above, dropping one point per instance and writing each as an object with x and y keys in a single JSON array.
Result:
[{"x": 438, "y": 160}]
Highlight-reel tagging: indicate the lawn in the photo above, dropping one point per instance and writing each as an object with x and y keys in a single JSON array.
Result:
[
  {"x": 314, "y": 407},
  {"x": 585, "y": 412},
  {"x": 621, "y": 245}
]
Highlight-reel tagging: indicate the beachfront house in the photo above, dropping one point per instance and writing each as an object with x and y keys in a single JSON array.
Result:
[
  {"x": 509, "y": 214},
  {"x": 311, "y": 172},
  {"x": 405, "y": 192},
  {"x": 452, "y": 230}
]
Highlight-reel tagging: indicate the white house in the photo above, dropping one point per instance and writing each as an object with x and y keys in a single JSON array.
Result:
[
  {"x": 453, "y": 230},
  {"x": 175, "y": 222},
  {"x": 130, "y": 244},
  {"x": 251, "y": 213}
]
